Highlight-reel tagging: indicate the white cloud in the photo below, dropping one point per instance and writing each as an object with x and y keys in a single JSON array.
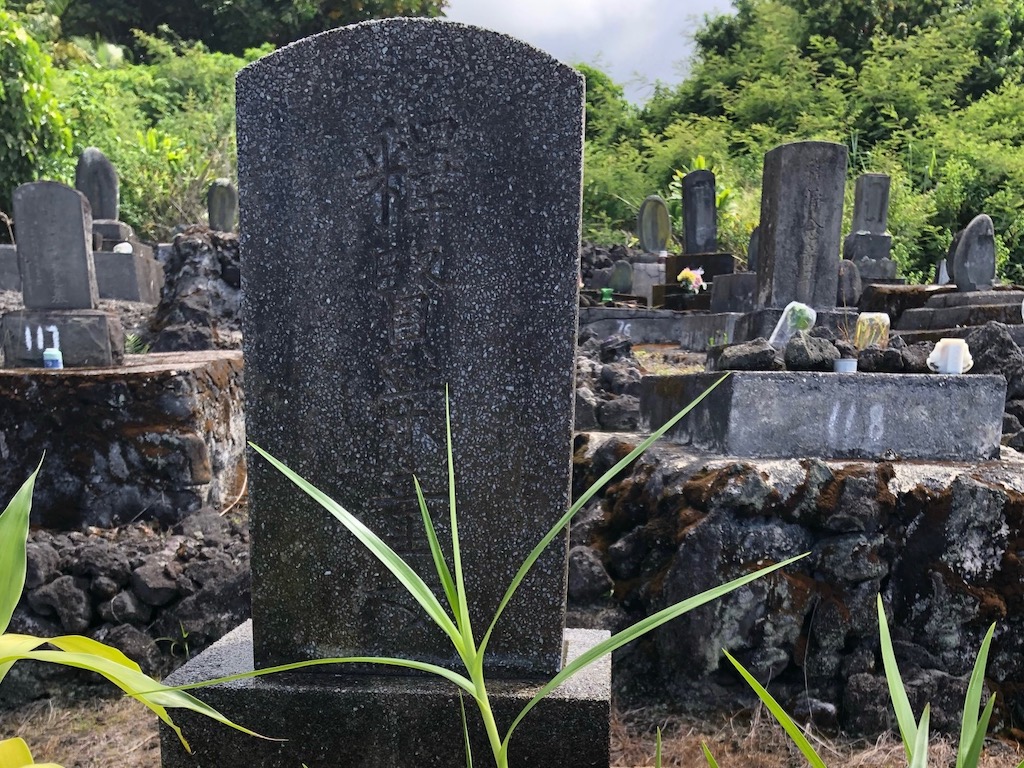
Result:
[{"x": 635, "y": 42}]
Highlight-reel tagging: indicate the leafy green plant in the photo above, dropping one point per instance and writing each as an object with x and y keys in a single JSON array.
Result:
[
  {"x": 913, "y": 733},
  {"x": 134, "y": 345},
  {"x": 70, "y": 650},
  {"x": 454, "y": 619}
]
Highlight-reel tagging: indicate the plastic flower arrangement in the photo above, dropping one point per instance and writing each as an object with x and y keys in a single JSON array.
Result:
[{"x": 691, "y": 280}]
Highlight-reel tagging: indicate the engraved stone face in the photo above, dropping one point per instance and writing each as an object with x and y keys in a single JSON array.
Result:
[
  {"x": 871, "y": 204},
  {"x": 801, "y": 217},
  {"x": 398, "y": 179},
  {"x": 700, "y": 216},
  {"x": 54, "y": 246}
]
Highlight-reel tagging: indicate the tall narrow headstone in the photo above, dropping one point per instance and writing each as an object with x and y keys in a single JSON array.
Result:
[
  {"x": 868, "y": 243},
  {"x": 96, "y": 178},
  {"x": 54, "y": 246},
  {"x": 700, "y": 216},
  {"x": 974, "y": 256},
  {"x": 222, "y": 205},
  {"x": 753, "y": 257},
  {"x": 382, "y": 150},
  {"x": 801, "y": 222}
]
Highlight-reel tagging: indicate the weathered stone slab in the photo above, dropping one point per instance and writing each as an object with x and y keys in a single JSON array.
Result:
[
  {"x": 700, "y": 215},
  {"x": 87, "y": 338},
  {"x": 871, "y": 204},
  {"x": 128, "y": 277},
  {"x": 950, "y": 317},
  {"x": 10, "y": 275},
  {"x": 156, "y": 439},
  {"x": 54, "y": 246},
  {"x": 733, "y": 293},
  {"x": 621, "y": 278},
  {"x": 414, "y": 226},
  {"x": 653, "y": 224},
  {"x": 96, "y": 178},
  {"x": 701, "y": 332},
  {"x": 849, "y": 416},
  {"x": 975, "y": 298},
  {"x": 376, "y": 720},
  {"x": 713, "y": 264},
  {"x": 645, "y": 277},
  {"x": 753, "y": 249},
  {"x": 801, "y": 221},
  {"x": 974, "y": 256}
]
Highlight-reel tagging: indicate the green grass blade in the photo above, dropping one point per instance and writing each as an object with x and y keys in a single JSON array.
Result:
[
  {"x": 972, "y": 702},
  {"x": 445, "y": 575},
  {"x": 791, "y": 728},
  {"x": 712, "y": 763},
  {"x": 581, "y": 502},
  {"x": 642, "y": 627},
  {"x": 465, "y": 732},
  {"x": 973, "y": 753},
  {"x": 460, "y": 583},
  {"x": 657, "y": 749},
  {"x": 920, "y": 759},
  {"x": 388, "y": 557},
  {"x": 419, "y": 666},
  {"x": 897, "y": 693},
  {"x": 13, "y": 535}
]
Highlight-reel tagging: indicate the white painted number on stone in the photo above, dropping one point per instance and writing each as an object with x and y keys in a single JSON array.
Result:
[{"x": 41, "y": 337}]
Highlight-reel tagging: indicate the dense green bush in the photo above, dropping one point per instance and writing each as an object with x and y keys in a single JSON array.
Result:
[{"x": 33, "y": 134}]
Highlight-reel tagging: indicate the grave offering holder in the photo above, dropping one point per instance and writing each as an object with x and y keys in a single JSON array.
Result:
[
  {"x": 872, "y": 328},
  {"x": 951, "y": 356},
  {"x": 795, "y": 317}
]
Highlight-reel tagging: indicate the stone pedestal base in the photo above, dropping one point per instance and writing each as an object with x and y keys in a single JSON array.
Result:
[
  {"x": 128, "y": 276},
  {"x": 368, "y": 721},
  {"x": 155, "y": 439},
  {"x": 761, "y": 322},
  {"x": 734, "y": 293},
  {"x": 783, "y": 414},
  {"x": 701, "y": 332},
  {"x": 955, "y": 315},
  {"x": 642, "y": 325},
  {"x": 87, "y": 338}
]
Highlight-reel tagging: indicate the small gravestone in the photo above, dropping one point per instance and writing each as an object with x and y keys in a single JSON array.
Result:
[
  {"x": 621, "y": 279},
  {"x": 700, "y": 216},
  {"x": 55, "y": 246},
  {"x": 868, "y": 243},
  {"x": 942, "y": 273},
  {"x": 222, "y": 205},
  {"x": 850, "y": 286},
  {"x": 96, "y": 178},
  {"x": 752, "y": 249},
  {"x": 801, "y": 219},
  {"x": 974, "y": 260},
  {"x": 58, "y": 283},
  {"x": 397, "y": 130},
  {"x": 654, "y": 227}
]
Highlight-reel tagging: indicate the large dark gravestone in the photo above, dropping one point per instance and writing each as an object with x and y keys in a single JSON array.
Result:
[
  {"x": 700, "y": 216},
  {"x": 409, "y": 194},
  {"x": 801, "y": 219},
  {"x": 96, "y": 178}
]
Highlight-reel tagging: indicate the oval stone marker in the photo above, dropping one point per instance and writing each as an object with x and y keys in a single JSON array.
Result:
[
  {"x": 653, "y": 224},
  {"x": 974, "y": 260},
  {"x": 410, "y": 217},
  {"x": 96, "y": 178}
]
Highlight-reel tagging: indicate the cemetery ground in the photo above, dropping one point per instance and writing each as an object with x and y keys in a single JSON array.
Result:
[{"x": 105, "y": 732}]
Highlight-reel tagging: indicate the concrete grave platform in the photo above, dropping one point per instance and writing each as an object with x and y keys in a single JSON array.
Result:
[
  {"x": 761, "y": 322},
  {"x": 384, "y": 719},
  {"x": 642, "y": 325},
  {"x": 955, "y": 315},
  {"x": 845, "y": 416},
  {"x": 87, "y": 337},
  {"x": 155, "y": 439}
]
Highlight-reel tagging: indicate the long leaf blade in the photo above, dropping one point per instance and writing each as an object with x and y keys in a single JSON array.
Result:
[
  {"x": 972, "y": 701},
  {"x": 973, "y": 753},
  {"x": 440, "y": 566},
  {"x": 712, "y": 763},
  {"x": 642, "y": 627},
  {"x": 13, "y": 536},
  {"x": 405, "y": 574},
  {"x": 460, "y": 583},
  {"x": 897, "y": 693},
  {"x": 791, "y": 728},
  {"x": 581, "y": 502},
  {"x": 920, "y": 759},
  {"x": 465, "y": 732}
]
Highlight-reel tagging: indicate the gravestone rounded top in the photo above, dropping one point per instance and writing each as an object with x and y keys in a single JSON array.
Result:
[
  {"x": 974, "y": 260},
  {"x": 621, "y": 279},
  {"x": 222, "y": 205},
  {"x": 653, "y": 225},
  {"x": 96, "y": 178}
]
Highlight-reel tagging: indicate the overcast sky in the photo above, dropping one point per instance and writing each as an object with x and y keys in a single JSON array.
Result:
[{"x": 634, "y": 41}]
